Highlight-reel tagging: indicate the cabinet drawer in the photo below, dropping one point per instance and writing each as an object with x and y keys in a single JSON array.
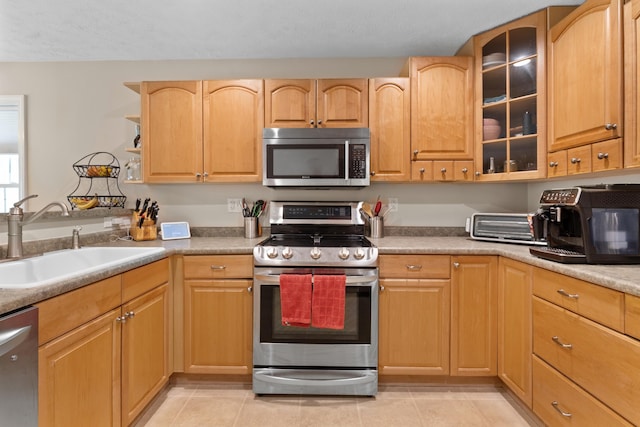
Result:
[
  {"x": 218, "y": 266},
  {"x": 553, "y": 393},
  {"x": 579, "y": 160},
  {"x": 632, "y": 315},
  {"x": 600, "y": 360},
  {"x": 415, "y": 266},
  {"x": 65, "y": 312},
  {"x": 603, "y": 305},
  {"x": 557, "y": 163},
  {"x": 142, "y": 279},
  {"x": 606, "y": 155}
]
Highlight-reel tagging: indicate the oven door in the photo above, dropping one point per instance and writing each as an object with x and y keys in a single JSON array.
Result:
[{"x": 355, "y": 346}]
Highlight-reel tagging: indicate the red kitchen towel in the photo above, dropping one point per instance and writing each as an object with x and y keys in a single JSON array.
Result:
[
  {"x": 295, "y": 299},
  {"x": 327, "y": 307}
]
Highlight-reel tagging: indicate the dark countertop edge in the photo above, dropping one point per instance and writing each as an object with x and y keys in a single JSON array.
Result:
[{"x": 623, "y": 278}]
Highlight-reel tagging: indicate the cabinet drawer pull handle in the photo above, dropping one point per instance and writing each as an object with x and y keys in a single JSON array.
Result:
[
  {"x": 567, "y": 294},
  {"x": 611, "y": 126},
  {"x": 556, "y": 406},
  {"x": 575, "y": 160},
  {"x": 413, "y": 267},
  {"x": 560, "y": 343},
  {"x": 602, "y": 156},
  {"x": 218, "y": 267}
]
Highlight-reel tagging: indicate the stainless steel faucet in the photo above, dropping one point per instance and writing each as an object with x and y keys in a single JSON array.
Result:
[{"x": 15, "y": 222}]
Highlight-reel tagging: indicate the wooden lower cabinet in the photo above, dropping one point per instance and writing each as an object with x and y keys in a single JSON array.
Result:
[
  {"x": 145, "y": 350},
  {"x": 103, "y": 358},
  {"x": 218, "y": 314},
  {"x": 414, "y": 315},
  {"x": 515, "y": 327},
  {"x": 559, "y": 402},
  {"x": 474, "y": 315},
  {"x": 79, "y": 376}
]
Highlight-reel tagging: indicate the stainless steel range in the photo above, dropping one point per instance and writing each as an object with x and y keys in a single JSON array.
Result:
[{"x": 315, "y": 242}]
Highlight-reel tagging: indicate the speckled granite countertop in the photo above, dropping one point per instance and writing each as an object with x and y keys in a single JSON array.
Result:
[{"x": 622, "y": 278}]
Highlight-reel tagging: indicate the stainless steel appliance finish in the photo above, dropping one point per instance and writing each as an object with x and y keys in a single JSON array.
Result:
[
  {"x": 316, "y": 157},
  {"x": 309, "y": 238},
  {"x": 19, "y": 368},
  {"x": 522, "y": 228},
  {"x": 598, "y": 224}
]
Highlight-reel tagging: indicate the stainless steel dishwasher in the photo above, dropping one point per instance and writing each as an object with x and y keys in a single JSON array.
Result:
[{"x": 19, "y": 368}]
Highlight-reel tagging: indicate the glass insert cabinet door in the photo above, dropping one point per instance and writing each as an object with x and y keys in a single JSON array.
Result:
[{"x": 510, "y": 100}]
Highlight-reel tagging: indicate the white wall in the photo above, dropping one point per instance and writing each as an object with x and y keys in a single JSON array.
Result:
[{"x": 74, "y": 109}]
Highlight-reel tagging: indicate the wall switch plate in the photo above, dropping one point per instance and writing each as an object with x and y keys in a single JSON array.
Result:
[
  {"x": 234, "y": 205},
  {"x": 393, "y": 204}
]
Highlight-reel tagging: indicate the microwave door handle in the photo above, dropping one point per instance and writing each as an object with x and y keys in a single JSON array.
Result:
[{"x": 346, "y": 160}]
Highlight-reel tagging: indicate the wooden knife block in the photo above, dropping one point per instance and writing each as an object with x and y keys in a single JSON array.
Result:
[{"x": 148, "y": 231}]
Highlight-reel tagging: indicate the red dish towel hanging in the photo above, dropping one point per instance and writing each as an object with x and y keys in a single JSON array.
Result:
[
  {"x": 295, "y": 299},
  {"x": 328, "y": 301}
]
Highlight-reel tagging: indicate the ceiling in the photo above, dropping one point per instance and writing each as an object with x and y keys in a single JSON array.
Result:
[{"x": 80, "y": 30}]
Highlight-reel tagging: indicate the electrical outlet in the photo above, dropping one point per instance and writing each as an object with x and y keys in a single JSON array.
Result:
[
  {"x": 234, "y": 205},
  {"x": 393, "y": 204}
]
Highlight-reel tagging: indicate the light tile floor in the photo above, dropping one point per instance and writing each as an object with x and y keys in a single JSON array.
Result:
[{"x": 216, "y": 404}]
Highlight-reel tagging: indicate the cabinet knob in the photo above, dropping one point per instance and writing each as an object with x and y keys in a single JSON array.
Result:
[
  {"x": 206, "y": 174},
  {"x": 602, "y": 156},
  {"x": 421, "y": 170},
  {"x": 415, "y": 152},
  {"x": 443, "y": 170},
  {"x": 198, "y": 175},
  {"x": 121, "y": 319},
  {"x": 456, "y": 265},
  {"x": 130, "y": 314},
  {"x": 250, "y": 289},
  {"x": 575, "y": 160},
  {"x": 312, "y": 122},
  {"x": 553, "y": 164},
  {"x": 381, "y": 288},
  {"x": 372, "y": 173},
  {"x": 465, "y": 170},
  {"x": 477, "y": 173},
  {"x": 611, "y": 126},
  {"x": 319, "y": 122}
]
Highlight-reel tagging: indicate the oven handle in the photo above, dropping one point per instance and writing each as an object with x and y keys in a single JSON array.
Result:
[
  {"x": 362, "y": 378},
  {"x": 351, "y": 280}
]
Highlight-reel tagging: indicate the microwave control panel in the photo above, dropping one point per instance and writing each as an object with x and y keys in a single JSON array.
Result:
[{"x": 357, "y": 161}]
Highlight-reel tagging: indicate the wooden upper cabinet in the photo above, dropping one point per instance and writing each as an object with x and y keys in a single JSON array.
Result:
[
  {"x": 299, "y": 103},
  {"x": 585, "y": 75},
  {"x": 390, "y": 125},
  {"x": 196, "y": 131},
  {"x": 343, "y": 103},
  {"x": 171, "y": 130},
  {"x": 631, "y": 15},
  {"x": 233, "y": 123},
  {"x": 442, "y": 107},
  {"x": 289, "y": 103}
]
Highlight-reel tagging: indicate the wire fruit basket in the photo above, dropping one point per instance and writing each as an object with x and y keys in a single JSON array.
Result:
[{"x": 97, "y": 182}]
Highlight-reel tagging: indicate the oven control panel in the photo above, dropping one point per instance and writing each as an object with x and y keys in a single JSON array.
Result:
[{"x": 313, "y": 256}]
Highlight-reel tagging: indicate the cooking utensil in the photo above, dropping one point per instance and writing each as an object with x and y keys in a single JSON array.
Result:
[
  {"x": 376, "y": 210},
  {"x": 257, "y": 208},
  {"x": 367, "y": 208},
  {"x": 365, "y": 214}
]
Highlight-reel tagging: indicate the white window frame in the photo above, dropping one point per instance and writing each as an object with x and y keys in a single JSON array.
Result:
[{"x": 19, "y": 101}]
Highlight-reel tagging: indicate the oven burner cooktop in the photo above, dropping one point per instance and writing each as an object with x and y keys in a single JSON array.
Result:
[{"x": 329, "y": 234}]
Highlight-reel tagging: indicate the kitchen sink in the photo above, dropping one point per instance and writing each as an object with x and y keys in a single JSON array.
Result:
[{"x": 66, "y": 264}]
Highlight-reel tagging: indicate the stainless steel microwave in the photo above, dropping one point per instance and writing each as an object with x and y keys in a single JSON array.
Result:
[{"x": 316, "y": 157}]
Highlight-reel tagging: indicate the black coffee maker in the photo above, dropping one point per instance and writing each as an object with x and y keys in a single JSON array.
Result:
[{"x": 597, "y": 224}]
